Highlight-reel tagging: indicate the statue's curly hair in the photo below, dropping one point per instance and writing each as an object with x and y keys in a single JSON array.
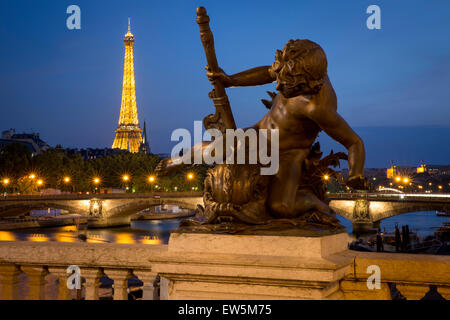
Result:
[{"x": 302, "y": 63}]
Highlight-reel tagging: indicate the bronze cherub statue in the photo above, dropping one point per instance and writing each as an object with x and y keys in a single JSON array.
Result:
[{"x": 305, "y": 104}]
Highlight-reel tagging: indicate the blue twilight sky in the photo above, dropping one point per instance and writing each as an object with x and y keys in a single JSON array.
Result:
[{"x": 392, "y": 84}]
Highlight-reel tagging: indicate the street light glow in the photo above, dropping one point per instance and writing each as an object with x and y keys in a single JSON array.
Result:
[
  {"x": 326, "y": 177},
  {"x": 151, "y": 179},
  {"x": 96, "y": 180},
  {"x": 405, "y": 180},
  {"x": 66, "y": 179},
  {"x": 190, "y": 176},
  {"x": 398, "y": 179},
  {"x": 32, "y": 176},
  {"x": 40, "y": 182},
  {"x": 5, "y": 181},
  {"x": 125, "y": 177}
]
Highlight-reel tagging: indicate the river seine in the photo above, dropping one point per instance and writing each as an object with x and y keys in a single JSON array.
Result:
[{"x": 151, "y": 232}]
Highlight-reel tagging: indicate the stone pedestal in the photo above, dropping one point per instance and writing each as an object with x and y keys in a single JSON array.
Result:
[{"x": 216, "y": 266}]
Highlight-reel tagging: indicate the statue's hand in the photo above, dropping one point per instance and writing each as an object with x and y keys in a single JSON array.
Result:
[
  {"x": 221, "y": 76},
  {"x": 358, "y": 183}
]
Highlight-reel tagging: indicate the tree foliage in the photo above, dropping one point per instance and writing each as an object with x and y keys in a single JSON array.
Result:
[{"x": 53, "y": 165}]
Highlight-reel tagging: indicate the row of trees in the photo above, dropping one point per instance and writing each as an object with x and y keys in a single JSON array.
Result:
[{"x": 54, "y": 165}]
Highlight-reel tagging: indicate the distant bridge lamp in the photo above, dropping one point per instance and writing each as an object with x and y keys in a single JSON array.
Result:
[
  {"x": 151, "y": 179},
  {"x": 96, "y": 181},
  {"x": 126, "y": 179}
]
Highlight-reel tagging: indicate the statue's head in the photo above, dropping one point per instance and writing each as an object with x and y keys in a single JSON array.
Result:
[{"x": 300, "y": 68}]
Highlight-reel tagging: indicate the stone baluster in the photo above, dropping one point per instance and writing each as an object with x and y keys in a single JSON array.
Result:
[
  {"x": 120, "y": 278},
  {"x": 148, "y": 278},
  {"x": 164, "y": 288},
  {"x": 413, "y": 292},
  {"x": 9, "y": 282},
  {"x": 92, "y": 276},
  {"x": 63, "y": 291},
  {"x": 36, "y": 282},
  {"x": 444, "y": 292}
]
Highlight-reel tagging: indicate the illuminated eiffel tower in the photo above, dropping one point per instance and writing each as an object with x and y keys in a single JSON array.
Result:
[{"x": 128, "y": 133}]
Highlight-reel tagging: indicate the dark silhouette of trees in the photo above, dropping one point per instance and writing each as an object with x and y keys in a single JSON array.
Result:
[{"x": 54, "y": 165}]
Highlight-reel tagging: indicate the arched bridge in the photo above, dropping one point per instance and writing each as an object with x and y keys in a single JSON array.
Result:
[
  {"x": 102, "y": 209},
  {"x": 367, "y": 209},
  {"x": 116, "y": 209}
]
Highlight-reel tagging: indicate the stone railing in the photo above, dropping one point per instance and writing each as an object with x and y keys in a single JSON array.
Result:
[
  {"x": 410, "y": 276},
  {"x": 35, "y": 271},
  {"x": 30, "y": 270}
]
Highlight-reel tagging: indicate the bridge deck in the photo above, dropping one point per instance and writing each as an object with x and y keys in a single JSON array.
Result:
[
  {"x": 105, "y": 196},
  {"x": 402, "y": 197}
]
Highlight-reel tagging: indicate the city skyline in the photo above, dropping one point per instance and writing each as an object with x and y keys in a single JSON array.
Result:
[{"x": 383, "y": 79}]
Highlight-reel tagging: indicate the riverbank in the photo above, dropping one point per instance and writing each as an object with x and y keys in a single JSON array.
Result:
[{"x": 42, "y": 222}]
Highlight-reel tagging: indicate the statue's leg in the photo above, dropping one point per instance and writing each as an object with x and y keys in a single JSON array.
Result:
[
  {"x": 306, "y": 201},
  {"x": 316, "y": 210},
  {"x": 284, "y": 185}
]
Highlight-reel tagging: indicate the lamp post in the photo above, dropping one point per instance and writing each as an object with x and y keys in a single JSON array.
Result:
[
  {"x": 39, "y": 183},
  {"x": 190, "y": 176},
  {"x": 5, "y": 183},
  {"x": 151, "y": 180},
  {"x": 126, "y": 179},
  {"x": 96, "y": 182},
  {"x": 67, "y": 180}
]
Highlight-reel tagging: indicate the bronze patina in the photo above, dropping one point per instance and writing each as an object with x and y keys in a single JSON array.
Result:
[{"x": 236, "y": 197}]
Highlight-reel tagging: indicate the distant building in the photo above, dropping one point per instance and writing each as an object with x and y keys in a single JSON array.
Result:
[
  {"x": 145, "y": 146},
  {"x": 92, "y": 154},
  {"x": 30, "y": 140},
  {"x": 391, "y": 172},
  {"x": 163, "y": 155},
  {"x": 438, "y": 169},
  {"x": 422, "y": 168}
]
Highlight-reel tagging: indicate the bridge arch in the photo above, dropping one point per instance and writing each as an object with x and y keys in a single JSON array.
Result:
[
  {"x": 379, "y": 210},
  {"x": 403, "y": 208},
  {"x": 18, "y": 209},
  {"x": 132, "y": 207}
]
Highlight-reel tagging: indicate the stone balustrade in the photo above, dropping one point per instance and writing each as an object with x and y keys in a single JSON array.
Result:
[
  {"x": 410, "y": 276},
  {"x": 36, "y": 271},
  {"x": 33, "y": 270}
]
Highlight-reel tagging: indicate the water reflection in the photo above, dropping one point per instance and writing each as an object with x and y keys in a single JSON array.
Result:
[
  {"x": 423, "y": 223},
  {"x": 38, "y": 237},
  {"x": 151, "y": 240},
  {"x": 155, "y": 232},
  {"x": 148, "y": 232},
  {"x": 7, "y": 236},
  {"x": 126, "y": 238}
]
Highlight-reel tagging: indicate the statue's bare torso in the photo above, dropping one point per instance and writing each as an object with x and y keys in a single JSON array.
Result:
[{"x": 292, "y": 117}]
